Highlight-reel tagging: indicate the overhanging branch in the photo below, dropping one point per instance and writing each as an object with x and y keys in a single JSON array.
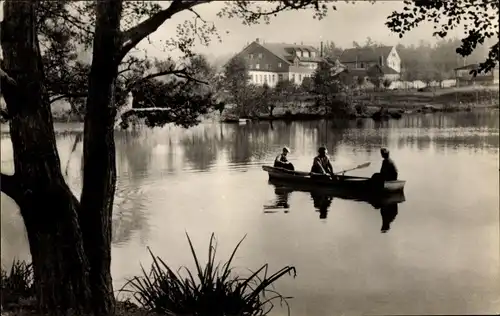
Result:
[
  {"x": 67, "y": 96},
  {"x": 134, "y": 35},
  {"x": 181, "y": 73}
]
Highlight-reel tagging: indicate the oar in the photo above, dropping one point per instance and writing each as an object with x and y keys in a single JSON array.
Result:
[{"x": 364, "y": 165}]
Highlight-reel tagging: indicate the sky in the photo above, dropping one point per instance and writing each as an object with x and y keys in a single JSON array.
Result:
[{"x": 350, "y": 22}]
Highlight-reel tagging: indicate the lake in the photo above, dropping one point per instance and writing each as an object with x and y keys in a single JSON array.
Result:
[{"x": 440, "y": 255}]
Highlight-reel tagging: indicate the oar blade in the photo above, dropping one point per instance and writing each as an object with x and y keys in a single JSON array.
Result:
[{"x": 366, "y": 164}]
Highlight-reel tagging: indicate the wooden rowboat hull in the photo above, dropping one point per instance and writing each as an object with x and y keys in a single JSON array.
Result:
[{"x": 352, "y": 183}]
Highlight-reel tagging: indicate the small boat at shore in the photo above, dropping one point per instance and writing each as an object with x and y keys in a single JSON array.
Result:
[{"x": 351, "y": 183}]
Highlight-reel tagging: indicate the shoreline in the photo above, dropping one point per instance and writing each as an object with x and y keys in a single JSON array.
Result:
[
  {"x": 376, "y": 115},
  {"x": 394, "y": 114}
]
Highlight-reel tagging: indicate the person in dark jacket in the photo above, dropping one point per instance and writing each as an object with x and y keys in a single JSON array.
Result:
[
  {"x": 321, "y": 163},
  {"x": 282, "y": 162},
  {"x": 388, "y": 171}
]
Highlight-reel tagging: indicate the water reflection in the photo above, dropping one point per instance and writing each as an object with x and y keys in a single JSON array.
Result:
[
  {"x": 162, "y": 192},
  {"x": 322, "y": 203},
  {"x": 388, "y": 213},
  {"x": 281, "y": 202},
  {"x": 322, "y": 199}
]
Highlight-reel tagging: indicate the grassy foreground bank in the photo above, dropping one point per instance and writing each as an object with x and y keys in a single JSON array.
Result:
[{"x": 210, "y": 290}]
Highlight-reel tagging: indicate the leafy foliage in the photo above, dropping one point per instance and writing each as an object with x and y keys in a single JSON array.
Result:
[
  {"x": 210, "y": 290},
  {"x": 17, "y": 283},
  {"x": 326, "y": 88},
  {"x": 479, "y": 17},
  {"x": 307, "y": 84}
]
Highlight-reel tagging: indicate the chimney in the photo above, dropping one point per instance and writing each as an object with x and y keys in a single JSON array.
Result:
[
  {"x": 257, "y": 40},
  {"x": 321, "y": 49}
]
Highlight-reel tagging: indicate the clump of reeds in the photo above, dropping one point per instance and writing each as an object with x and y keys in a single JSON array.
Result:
[{"x": 210, "y": 290}]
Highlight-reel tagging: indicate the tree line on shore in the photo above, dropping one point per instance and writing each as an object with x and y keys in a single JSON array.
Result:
[{"x": 70, "y": 236}]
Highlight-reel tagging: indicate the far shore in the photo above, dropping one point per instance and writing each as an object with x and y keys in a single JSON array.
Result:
[
  {"x": 384, "y": 105},
  {"x": 380, "y": 105}
]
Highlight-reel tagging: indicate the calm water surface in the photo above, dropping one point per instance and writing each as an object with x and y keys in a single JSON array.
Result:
[{"x": 439, "y": 257}]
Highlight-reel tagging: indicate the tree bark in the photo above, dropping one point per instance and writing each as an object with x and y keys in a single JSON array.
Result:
[
  {"x": 48, "y": 207},
  {"x": 99, "y": 170}
]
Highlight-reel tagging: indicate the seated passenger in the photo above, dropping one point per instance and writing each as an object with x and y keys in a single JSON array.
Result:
[
  {"x": 321, "y": 163},
  {"x": 282, "y": 162},
  {"x": 388, "y": 171}
]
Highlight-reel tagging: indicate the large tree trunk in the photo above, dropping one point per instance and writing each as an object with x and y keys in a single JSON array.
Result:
[
  {"x": 99, "y": 176},
  {"x": 48, "y": 207}
]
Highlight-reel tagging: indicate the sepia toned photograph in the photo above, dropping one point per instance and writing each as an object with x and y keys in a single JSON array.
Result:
[{"x": 249, "y": 158}]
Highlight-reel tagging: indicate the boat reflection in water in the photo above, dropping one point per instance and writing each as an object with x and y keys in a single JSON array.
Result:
[{"x": 322, "y": 200}]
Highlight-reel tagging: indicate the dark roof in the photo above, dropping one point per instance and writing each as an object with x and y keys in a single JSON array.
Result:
[
  {"x": 357, "y": 72},
  {"x": 386, "y": 70},
  {"x": 365, "y": 72},
  {"x": 286, "y": 51},
  {"x": 468, "y": 67},
  {"x": 365, "y": 54}
]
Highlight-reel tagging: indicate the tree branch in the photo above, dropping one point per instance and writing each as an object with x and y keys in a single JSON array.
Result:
[
  {"x": 134, "y": 35},
  {"x": 10, "y": 186},
  {"x": 181, "y": 73},
  {"x": 67, "y": 96}
]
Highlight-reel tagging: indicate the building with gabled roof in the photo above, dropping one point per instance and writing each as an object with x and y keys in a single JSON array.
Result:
[
  {"x": 271, "y": 62},
  {"x": 364, "y": 58},
  {"x": 464, "y": 77}
]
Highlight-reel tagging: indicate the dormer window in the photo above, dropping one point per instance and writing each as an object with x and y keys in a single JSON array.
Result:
[
  {"x": 250, "y": 56},
  {"x": 305, "y": 54},
  {"x": 260, "y": 55},
  {"x": 313, "y": 54}
]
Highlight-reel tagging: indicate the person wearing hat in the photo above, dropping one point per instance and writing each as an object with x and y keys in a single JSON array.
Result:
[
  {"x": 282, "y": 162},
  {"x": 321, "y": 163},
  {"x": 388, "y": 171}
]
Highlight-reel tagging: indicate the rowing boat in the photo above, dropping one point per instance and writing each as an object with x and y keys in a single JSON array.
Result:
[{"x": 353, "y": 183}]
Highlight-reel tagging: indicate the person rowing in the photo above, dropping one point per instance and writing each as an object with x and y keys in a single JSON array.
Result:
[
  {"x": 388, "y": 170},
  {"x": 282, "y": 162},
  {"x": 321, "y": 163}
]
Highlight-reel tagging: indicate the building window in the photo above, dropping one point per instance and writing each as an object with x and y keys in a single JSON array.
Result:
[
  {"x": 293, "y": 77},
  {"x": 260, "y": 55},
  {"x": 274, "y": 78},
  {"x": 260, "y": 77},
  {"x": 250, "y": 56},
  {"x": 362, "y": 65},
  {"x": 257, "y": 66},
  {"x": 279, "y": 65},
  {"x": 306, "y": 54},
  {"x": 280, "y": 77},
  {"x": 313, "y": 54},
  {"x": 267, "y": 66}
]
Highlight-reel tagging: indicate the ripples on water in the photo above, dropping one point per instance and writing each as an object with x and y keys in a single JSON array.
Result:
[{"x": 439, "y": 256}]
